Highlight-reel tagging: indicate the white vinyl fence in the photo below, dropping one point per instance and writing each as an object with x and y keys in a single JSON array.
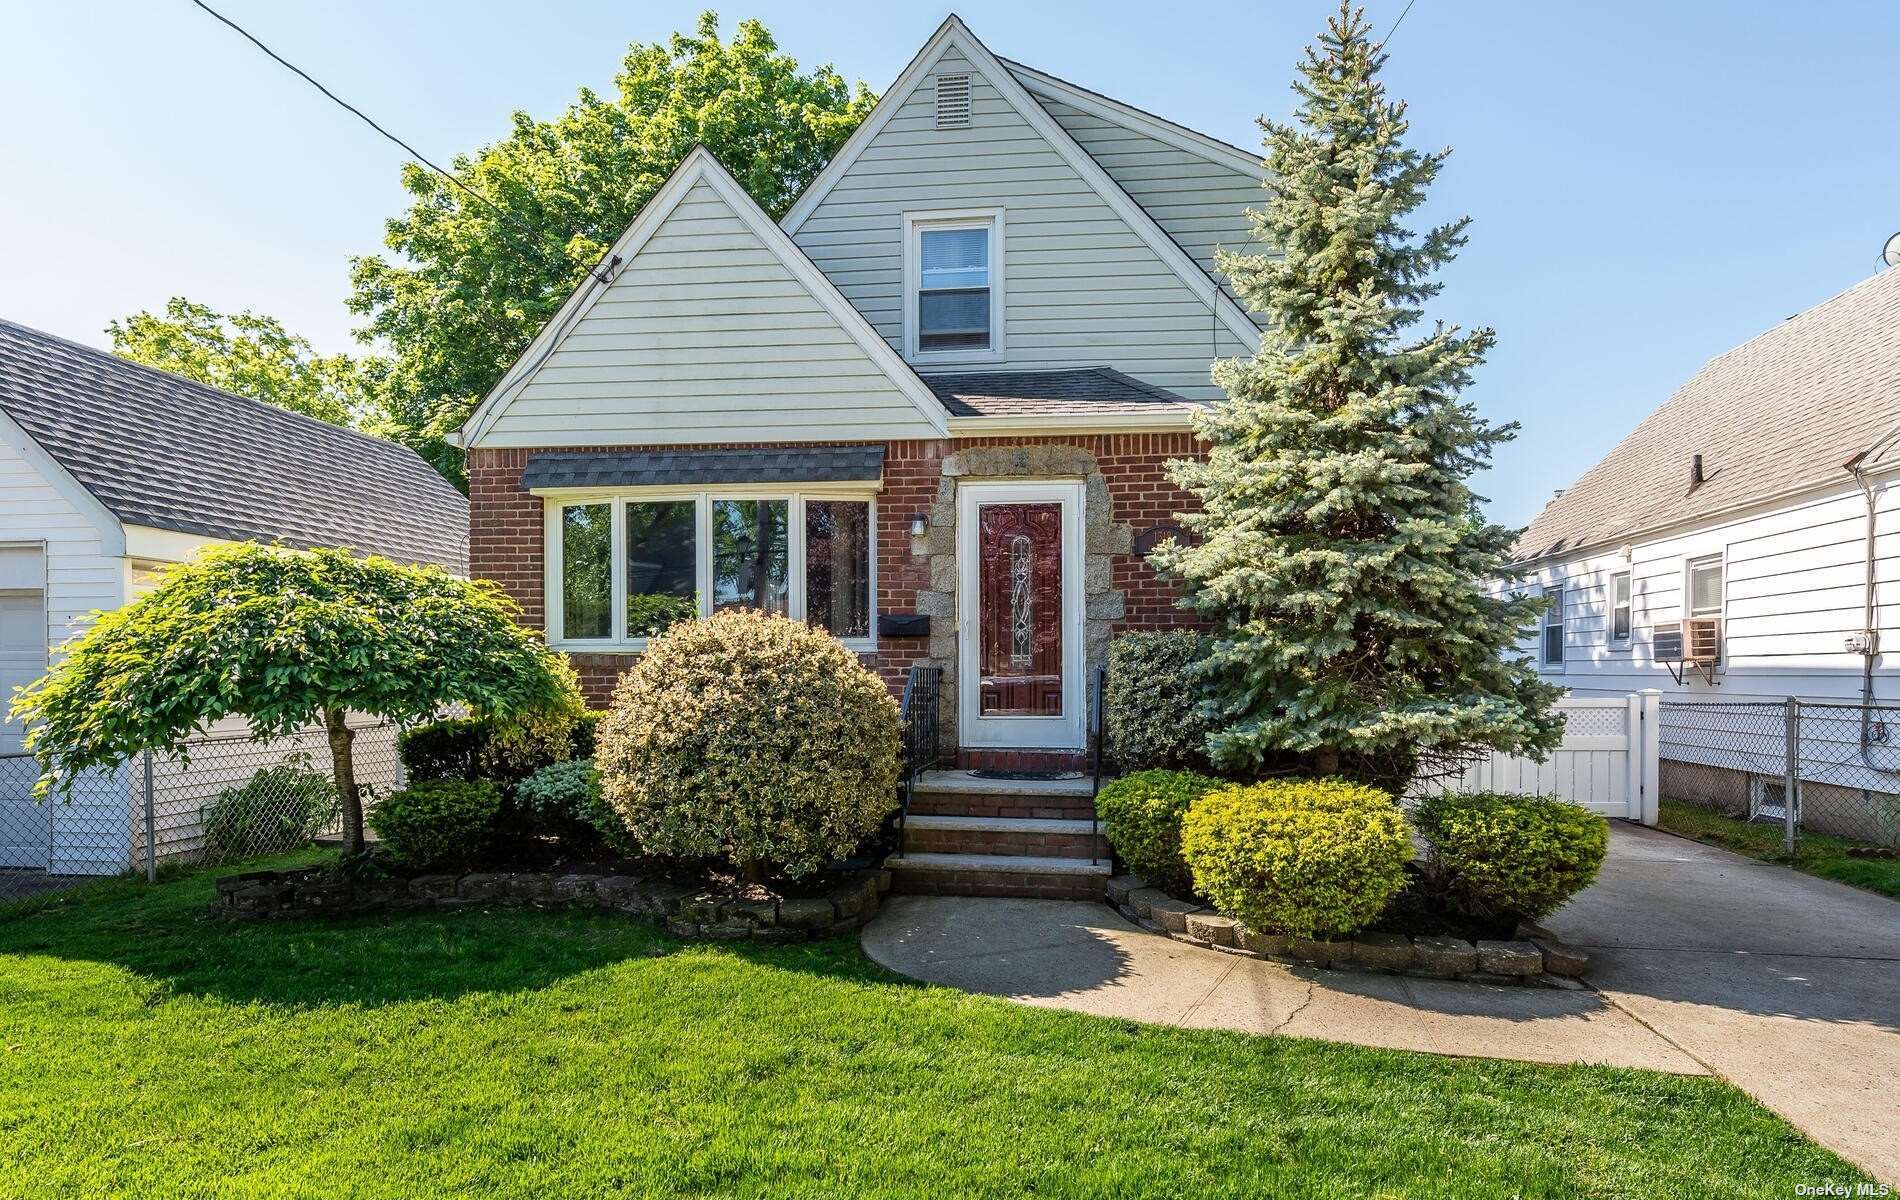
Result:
[{"x": 1607, "y": 762}]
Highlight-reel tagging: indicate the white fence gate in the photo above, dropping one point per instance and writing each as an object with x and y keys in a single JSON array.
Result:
[{"x": 1607, "y": 762}]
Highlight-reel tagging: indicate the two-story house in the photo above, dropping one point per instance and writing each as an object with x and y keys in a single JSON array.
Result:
[{"x": 928, "y": 411}]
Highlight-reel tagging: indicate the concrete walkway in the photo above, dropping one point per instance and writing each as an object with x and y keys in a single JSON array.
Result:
[{"x": 1705, "y": 962}]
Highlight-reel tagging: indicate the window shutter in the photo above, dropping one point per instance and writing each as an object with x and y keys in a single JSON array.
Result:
[{"x": 953, "y": 101}]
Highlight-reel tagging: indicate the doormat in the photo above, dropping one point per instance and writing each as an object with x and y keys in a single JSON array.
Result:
[{"x": 1048, "y": 776}]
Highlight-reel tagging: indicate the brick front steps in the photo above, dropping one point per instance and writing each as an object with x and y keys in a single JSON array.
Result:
[
  {"x": 1534, "y": 957},
  {"x": 969, "y": 836}
]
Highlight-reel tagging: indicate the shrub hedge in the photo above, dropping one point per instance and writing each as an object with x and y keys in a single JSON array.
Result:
[
  {"x": 1501, "y": 856},
  {"x": 1141, "y": 817},
  {"x": 1309, "y": 857},
  {"x": 438, "y": 822},
  {"x": 469, "y": 747},
  {"x": 751, "y": 738},
  {"x": 1151, "y": 702}
]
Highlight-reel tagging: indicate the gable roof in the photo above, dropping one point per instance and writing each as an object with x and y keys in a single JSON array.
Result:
[
  {"x": 164, "y": 452},
  {"x": 954, "y": 34},
  {"x": 1778, "y": 415},
  {"x": 1042, "y": 84},
  {"x": 701, "y": 169},
  {"x": 1090, "y": 391}
]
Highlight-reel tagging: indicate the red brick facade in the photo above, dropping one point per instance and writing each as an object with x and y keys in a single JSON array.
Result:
[{"x": 506, "y": 531}]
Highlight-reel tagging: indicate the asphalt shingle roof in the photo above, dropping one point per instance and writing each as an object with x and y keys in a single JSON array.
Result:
[
  {"x": 1777, "y": 414},
  {"x": 647, "y": 468},
  {"x": 165, "y": 452},
  {"x": 1096, "y": 390}
]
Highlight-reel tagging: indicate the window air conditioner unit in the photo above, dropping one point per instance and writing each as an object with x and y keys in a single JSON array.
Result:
[{"x": 1691, "y": 645}]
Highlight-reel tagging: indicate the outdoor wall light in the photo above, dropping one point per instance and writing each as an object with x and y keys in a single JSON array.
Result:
[{"x": 919, "y": 524}]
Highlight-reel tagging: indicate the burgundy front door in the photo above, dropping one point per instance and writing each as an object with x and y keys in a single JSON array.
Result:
[{"x": 1019, "y": 582}]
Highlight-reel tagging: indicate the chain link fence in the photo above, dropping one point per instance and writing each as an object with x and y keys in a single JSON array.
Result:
[
  {"x": 213, "y": 799},
  {"x": 1805, "y": 766}
]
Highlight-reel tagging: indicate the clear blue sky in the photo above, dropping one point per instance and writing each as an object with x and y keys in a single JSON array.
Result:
[{"x": 1651, "y": 183}]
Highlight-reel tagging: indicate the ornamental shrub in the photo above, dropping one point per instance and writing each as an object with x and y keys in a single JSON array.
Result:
[
  {"x": 1499, "y": 856},
  {"x": 1309, "y": 857},
  {"x": 564, "y": 799},
  {"x": 1141, "y": 817},
  {"x": 438, "y": 822},
  {"x": 1151, "y": 705},
  {"x": 751, "y": 738},
  {"x": 279, "y": 808},
  {"x": 451, "y": 748}
]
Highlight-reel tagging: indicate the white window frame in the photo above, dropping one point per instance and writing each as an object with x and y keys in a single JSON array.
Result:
[
  {"x": 1689, "y": 566},
  {"x": 1628, "y": 605},
  {"x": 963, "y": 218},
  {"x": 554, "y": 609},
  {"x": 1553, "y": 618}
]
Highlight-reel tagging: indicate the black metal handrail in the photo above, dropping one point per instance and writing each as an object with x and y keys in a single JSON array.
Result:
[
  {"x": 1098, "y": 744},
  {"x": 918, "y": 713}
]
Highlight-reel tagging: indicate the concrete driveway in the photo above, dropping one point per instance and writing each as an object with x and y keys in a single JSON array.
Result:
[
  {"x": 1786, "y": 985},
  {"x": 1705, "y": 962}
]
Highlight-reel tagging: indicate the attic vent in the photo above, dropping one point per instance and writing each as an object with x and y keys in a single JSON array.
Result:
[{"x": 953, "y": 101}]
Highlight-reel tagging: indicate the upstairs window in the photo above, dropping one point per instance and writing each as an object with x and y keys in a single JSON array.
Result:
[{"x": 953, "y": 285}]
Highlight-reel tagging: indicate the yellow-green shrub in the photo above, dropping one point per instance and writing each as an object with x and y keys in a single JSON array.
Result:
[
  {"x": 751, "y": 738},
  {"x": 1141, "y": 817},
  {"x": 1511, "y": 856},
  {"x": 1310, "y": 857}
]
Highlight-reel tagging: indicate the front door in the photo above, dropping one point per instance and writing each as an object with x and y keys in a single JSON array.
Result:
[{"x": 1020, "y": 615}]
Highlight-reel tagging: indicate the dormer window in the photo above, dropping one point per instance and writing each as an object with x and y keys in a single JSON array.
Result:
[{"x": 953, "y": 286}]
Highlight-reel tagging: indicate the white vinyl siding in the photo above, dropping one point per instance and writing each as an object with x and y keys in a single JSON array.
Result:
[
  {"x": 91, "y": 833},
  {"x": 706, "y": 336},
  {"x": 1201, "y": 204},
  {"x": 1792, "y": 595},
  {"x": 1083, "y": 288}
]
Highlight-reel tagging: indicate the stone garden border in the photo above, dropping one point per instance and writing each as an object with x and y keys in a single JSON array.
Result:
[
  {"x": 687, "y": 912},
  {"x": 1533, "y": 958}
]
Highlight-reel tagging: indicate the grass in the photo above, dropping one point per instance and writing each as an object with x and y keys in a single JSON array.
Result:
[
  {"x": 148, "y": 1049},
  {"x": 1815, "y": 853}
]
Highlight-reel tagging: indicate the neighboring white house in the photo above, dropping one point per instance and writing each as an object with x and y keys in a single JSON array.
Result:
[
  {"x": 1740, "y": 544},
  {"x": 110, "y": 471}
]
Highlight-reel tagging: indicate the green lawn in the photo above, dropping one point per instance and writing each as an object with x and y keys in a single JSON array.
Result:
[
  {"x": 1815, "y": 853},
  {"x": 148, "y": 1049}
]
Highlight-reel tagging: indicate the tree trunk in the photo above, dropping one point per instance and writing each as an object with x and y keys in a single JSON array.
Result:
[
  {"x": 344, "y": 766},
  {"x": 1326, "y": 761}
]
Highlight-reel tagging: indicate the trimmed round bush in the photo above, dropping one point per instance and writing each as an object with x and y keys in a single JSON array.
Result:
[
  {"x": 750, "y": 738},
  {"x": 1308, "y": 857},
  {"x": 1150, "y": 705},
  {"x": 438, "y": 822},
  {"x": 1501, "y": 856},
  {"x": 1141, "y": 817},
  {"x": 564, "y": 799}
]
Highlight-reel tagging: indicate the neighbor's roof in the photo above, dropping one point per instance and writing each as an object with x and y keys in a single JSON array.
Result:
[
  {"x": 650, "y": 468},
  {"x": 164, "y": 452},
  {"x": 1089, "y": 390},
  {"x": 1778, "y": 414}
]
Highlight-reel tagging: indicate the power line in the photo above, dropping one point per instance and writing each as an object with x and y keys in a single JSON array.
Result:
[
  {"x": 1397, "y": 23},
  {"x": 546, "y": 238}
]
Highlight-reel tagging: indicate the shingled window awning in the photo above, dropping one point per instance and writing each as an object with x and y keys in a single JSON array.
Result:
[{"x": 660, "y": 468}]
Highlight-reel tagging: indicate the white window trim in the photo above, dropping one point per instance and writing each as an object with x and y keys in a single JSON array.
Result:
[
  {"x": 1545, "y": 622},
  {"x": 553, "y": 501},
  {"x": 1720, "y": 559},
  {"x": 1629, "y": 634},
  {"x": 914, "y": 224}
]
